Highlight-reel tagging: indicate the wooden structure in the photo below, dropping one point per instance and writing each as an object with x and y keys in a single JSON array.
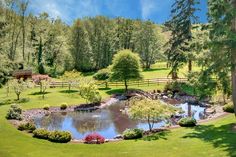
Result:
[{"x": 25, "y": 74}]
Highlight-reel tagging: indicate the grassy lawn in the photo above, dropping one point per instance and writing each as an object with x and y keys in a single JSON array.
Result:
[
  {"x": 214, "y": 139},
  {"x": 158, "y": 70}
]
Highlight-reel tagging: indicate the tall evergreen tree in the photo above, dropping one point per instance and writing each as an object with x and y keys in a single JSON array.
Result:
[
  {"x": 222, "y": 15},
  {"x": 181, "y": 23},
  {"x": 80, "y": 47}
]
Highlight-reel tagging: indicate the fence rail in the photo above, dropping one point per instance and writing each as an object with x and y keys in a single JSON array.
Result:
[{"x": 145, "y": 82}]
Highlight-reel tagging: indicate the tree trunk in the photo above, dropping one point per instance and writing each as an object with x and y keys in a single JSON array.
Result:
[
  {"x": 174, "y": 75},
  {"x": 18, "y": 96},
  {"x": 41, "y": 87},
  {"x": 69, "y": 85},
  {"x": 126, "y": 86},
  {"x": 190, "y": 65},
  {"x": 149, "y": 124},
  {"x": 233, "y": 54}
]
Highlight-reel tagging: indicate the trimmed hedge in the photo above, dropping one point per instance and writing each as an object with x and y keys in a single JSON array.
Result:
[
  {"x": 59, "y": 136},
  {"x": 29, "y": 127},
  {"x": 41, "y": 133},
  {"x": 187, "y": 122},
  {"x": 229, "y": 108},
  {"x": 132, "y": 134},
  {"x": 53, "y": 136}
]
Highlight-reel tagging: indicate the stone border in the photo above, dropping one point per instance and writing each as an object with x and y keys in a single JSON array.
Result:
[{"x": 30, "y": 114}]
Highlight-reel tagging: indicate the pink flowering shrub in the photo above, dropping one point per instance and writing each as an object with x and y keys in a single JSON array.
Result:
[
  {"x": 38, "y": 78},
  {"x": 94, "y": 138}
]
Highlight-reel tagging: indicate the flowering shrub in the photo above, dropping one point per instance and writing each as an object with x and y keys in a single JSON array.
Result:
[{"x": 94, "y": 138}]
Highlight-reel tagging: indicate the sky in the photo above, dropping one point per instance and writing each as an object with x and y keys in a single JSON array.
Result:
[{"x": 157, "y": 11}]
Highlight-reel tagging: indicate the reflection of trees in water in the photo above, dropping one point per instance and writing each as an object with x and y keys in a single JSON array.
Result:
[
  {"x": 121, "y": 121},
  {"x": 91, "y": 121},
  {"x": 52, "y": 121}
]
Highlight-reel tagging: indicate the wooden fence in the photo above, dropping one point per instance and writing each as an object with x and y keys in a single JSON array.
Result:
[{"x": 140, "y": 83}]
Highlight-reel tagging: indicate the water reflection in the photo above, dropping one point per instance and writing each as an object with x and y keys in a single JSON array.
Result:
[{"x": 108, "y": 122}]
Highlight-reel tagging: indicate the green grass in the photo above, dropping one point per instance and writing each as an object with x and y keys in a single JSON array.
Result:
[
  {"x": 158, "y": 70},
  {"x": 212, "y": 139}
]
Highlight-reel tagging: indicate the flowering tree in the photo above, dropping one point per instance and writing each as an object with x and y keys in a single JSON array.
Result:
[
  {"x": 18, "y": 86},
  {"x": 37, "y": 79},
  {"x": 44, "y": 85},
  {"x": 149, "y": 110}
]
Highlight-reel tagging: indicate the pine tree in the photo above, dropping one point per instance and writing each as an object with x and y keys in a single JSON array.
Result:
[
  {"x": 182, "y": 19},
  {"x": 222, "y": 15}
]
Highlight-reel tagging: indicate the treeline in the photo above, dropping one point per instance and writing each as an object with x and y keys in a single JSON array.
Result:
[
  {"x": 94, "y": 41},
  {"x": 49, "y": 46},
  {"x": 31, "y": 42}
]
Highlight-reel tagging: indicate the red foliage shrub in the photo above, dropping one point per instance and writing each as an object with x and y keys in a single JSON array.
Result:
[{"x": 94, "y": 138}]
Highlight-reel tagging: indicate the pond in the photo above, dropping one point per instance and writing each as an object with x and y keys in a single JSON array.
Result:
[{"x": 108, "y": 122}]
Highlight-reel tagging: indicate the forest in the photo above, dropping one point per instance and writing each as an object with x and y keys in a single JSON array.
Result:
[{"x": 49, "y": 46}]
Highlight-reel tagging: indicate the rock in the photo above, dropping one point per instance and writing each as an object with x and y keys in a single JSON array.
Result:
[
  {"x": 210, "y": 111},
  {"x": 118, "y": 137},
  {"x": 165, "y": 97}
]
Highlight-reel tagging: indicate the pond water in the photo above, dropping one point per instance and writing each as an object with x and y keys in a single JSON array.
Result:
[{"x": 108, "y": 122}]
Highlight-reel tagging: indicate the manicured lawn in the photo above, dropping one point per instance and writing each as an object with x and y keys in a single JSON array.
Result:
[
  {"x": 215, "y": 138},
  {"x": 159, "y": 70}
]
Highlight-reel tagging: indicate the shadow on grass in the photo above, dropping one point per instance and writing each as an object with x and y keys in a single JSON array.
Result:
[
  {"x": 220, "y": 137},
  {"x": 105, "y": 88},
  {"x": 115, "y": 91},
  {"x": 155, "y": 69},
  {"x": 68, "y": 91},
  {"x": 12, "y": 101},
  {"x": 88, "y": 73},
  {"x": 39, "y": 93},
  {"x": 111, "y": 91},
  {"x": 156, "y": 136}
]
